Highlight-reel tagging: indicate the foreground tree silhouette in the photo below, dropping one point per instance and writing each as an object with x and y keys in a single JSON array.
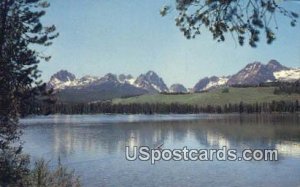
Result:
[
  {"x": 245, "y": 20},
  {"x": 21, "y": 31}
]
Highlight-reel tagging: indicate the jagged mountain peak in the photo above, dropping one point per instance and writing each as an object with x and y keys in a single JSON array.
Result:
[
  {"x": 274, "y": 62},
  {"x": 151, "y": 73},
  {"x": 256, "y": 73},
  {"x": 274, "y": 65},
  {"x": 61, "y": 79},
  {"x": 109, "y": 77},
  {"x": 252, "y": 74},
  {"x": 151, "y": 82},
  {"x": 64, "y": 76}
]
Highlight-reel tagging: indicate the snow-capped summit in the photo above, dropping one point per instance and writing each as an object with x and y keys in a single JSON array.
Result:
[
  {"x": 151, "y": 82},
  {"x": 122, "y": 85},
  {"x": 64, "y": 76},
  {"x": 256, "y": 73},
  {"x": 252, "y": 74},
  {"x": 61, "y": 79}
]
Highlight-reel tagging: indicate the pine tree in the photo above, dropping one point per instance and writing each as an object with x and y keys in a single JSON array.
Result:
[
  {"x": 21, "y": 33},
  {"x": 245, "y": 20}
]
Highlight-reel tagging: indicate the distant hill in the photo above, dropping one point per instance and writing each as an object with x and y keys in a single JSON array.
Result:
[
  {"x": 247, "y": 95},
  {"x": 177, "y": 88}
]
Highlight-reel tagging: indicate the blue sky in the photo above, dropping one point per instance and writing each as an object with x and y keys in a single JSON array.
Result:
[{"x": 129, "y": 36}]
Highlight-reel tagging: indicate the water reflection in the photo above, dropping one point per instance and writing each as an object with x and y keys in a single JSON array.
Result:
[
  {"x": 231, "y": 131},
  {"x": 99, "y": 142},
  {"x": 288, "y": 148}
]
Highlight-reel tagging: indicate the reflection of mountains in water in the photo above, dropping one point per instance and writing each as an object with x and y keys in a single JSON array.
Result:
[
  {"x": 290, "y": 148},
  {"x": 234, "y": 132}
]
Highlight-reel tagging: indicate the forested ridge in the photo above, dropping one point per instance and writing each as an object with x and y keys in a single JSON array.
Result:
[{"x": 146, "y": 107}]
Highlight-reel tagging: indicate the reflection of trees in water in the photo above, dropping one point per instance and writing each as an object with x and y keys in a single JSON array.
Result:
[
  {"x": 288, "y": 148},
  {"x": 248, "y": 131},
  {"x": 113, "y": 137},
  {"x": 179, "y": 131},
  {"x": 64, "y": 141},
  {"x": 233, "y": 131}
]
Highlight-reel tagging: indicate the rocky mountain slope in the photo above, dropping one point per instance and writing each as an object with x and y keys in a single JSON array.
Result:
[
  {"x": 210, "y": 83},
  {"x": 92, "y": 88},
  {"x": 151, "y": 82},
  {"x": 252, "y": 74}
]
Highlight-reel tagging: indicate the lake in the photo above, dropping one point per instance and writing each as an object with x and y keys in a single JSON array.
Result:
[{"x": 94, "y": 145}]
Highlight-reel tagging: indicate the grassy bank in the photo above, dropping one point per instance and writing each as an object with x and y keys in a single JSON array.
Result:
[{"x": 218, "y": 97}]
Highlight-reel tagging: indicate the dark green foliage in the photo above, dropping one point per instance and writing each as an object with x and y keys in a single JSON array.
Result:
[
  {"x": 162, "y": 108},
  {"x": 288, "y": 88},
  {"x": 42, "y": 176},
  {"x": 245, "y": 20},
  {"x": 256, "y": 98},
  {"x": 105, "y": 92},
  {"x": 174, "y": 93},
  {"x": 20, "y": 33},
  {"x": 225, "y": 90}
]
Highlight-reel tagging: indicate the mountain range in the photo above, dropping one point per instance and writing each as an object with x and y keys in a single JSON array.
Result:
[{"x": 92, "y": 88}]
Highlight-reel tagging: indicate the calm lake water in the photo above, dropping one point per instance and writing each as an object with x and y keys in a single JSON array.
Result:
[{"x": 94, "y": 145}]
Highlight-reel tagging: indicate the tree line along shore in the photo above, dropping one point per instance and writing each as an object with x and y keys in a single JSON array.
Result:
[{"x": 283, "y": 97}]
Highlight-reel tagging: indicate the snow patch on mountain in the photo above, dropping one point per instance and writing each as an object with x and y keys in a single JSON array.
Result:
[
  {"x": 208, "y": 83},
  {"x": 288, "y": 75},
  {"x": 61, "y": 79},
  {"x": 130, "y": 81},
  {"x": 214, "y": 84},
  {"x": 256, "y": 73},
  {"x": 150, "y": 81},
  {"x": 252, "y": 74}
]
